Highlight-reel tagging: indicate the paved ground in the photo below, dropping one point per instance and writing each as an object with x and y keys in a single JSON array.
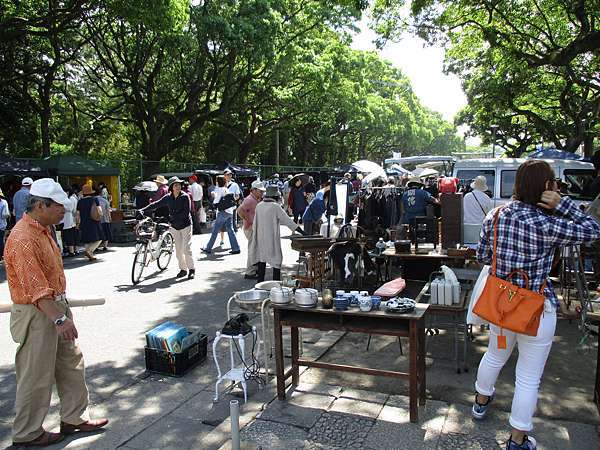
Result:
[{"x": 326, "y": 411}]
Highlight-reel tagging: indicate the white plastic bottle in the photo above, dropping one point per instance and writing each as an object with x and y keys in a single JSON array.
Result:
[
  {"x": 448, "y": 292},
  {"x": 456, "y": 293},
  {"x": 434, "y": 291}
]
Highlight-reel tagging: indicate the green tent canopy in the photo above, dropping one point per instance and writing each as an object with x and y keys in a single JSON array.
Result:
[{"x": 72, "y": 165}]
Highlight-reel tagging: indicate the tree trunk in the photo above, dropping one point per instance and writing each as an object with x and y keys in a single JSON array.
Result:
[
  {"x": 588, "y": 145},
  {"x": 45, "y": 114}
]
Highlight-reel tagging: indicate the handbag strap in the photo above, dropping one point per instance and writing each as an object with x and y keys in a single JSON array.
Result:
[
  {"x": 495, "y": 245},
  {"x": 494, "y": 252}
]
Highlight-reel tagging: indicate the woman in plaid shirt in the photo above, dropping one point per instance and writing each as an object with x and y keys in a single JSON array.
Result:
[{"x": 530, "y": 229}]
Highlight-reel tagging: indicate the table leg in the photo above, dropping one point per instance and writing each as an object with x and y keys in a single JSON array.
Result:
[
  {"x": 279, "y": 363},
  {"x": 422, "y": 375},
  {"x": 413, "y": 380},
  {"x": 295, "y": 356}
]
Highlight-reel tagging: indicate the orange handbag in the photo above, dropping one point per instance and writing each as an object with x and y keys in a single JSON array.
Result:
[{"x": 507, "y": 305}]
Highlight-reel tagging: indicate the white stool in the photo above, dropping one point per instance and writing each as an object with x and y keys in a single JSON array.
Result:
[
  {"x": 236, "y": 373},
  {"x": 266, "y": 324}
]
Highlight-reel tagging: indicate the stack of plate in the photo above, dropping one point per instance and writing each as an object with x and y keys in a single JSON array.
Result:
[{"x": 400, "y": 305}]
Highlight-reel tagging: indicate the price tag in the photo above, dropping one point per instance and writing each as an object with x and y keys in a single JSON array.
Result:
[{"x": 502, "y": 342}]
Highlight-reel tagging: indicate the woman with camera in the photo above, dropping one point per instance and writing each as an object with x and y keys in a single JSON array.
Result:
[
  {"x": 529, "y": 229},
  {"x": 225, "y": 203}
]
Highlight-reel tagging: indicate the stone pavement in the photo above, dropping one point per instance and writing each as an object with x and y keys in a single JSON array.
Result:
[{"x": 321, "y": 416}]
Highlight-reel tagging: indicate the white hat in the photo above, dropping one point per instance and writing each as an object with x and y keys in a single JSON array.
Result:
[
  {"x": 479, "y": 184},
  {"x": 26, "y": 181},
  {"x": 48, "y": 188},
  {"x": 415, "y": 180},
  {"x": 227, "y": 171},
  {"x": 256, "y": 184}
]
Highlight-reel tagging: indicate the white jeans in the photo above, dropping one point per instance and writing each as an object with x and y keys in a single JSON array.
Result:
[
  {"x": 533, "y": 353},
  {"x": 183, "y": 247}
]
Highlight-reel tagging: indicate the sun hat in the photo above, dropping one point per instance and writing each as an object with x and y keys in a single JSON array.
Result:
[
  {"x": 272, "y": 191},
  {"x": 290, "y": 176},
  {"x": 415, "y": 180},
  {"x": 174, "y": 180},
  {"x": 161, "y": 180},
  {"x": 48, "y": 188},
  {"x": 256, "y": 184},
  {"x": 26, "y": 181},
  {"x": 479, "y": 184},
  {"x": 87, "y": 190}
]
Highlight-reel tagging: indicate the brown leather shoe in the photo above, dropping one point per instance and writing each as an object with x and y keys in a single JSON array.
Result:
[
  {"x": 45, "y": 439},
  {"x": 90, "y": 425}
]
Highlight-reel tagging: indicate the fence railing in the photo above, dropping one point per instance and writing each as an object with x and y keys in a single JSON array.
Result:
[{"x": 134, "y": 171}]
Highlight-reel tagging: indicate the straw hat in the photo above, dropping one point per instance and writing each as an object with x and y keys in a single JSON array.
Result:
[
  {"x": 87, "y": 190},
  {"x": 161, "y": 180},
  {"x": 415, "y": 180},
  {"x": 479, "y": 184}
]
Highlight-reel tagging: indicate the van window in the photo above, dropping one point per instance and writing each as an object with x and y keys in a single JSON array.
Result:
[
  {"x": 507, "y": 183},
  {"x": 467, "y": 176},
  {"x": 580, "y": 182}
]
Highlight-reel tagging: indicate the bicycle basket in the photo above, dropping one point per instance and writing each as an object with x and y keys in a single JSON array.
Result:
[{"x": 144, "y": 229}]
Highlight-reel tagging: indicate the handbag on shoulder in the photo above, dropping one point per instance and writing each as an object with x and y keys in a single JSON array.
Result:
[
  {"x": 96, "y": 211},
  {"x": 507, "y": 305}
]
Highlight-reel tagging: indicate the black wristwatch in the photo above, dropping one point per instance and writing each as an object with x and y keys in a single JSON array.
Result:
[{"x": 62, "y": 319}]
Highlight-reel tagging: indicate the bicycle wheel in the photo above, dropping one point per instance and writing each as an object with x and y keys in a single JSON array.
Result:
[
  {"x": 166, "y": 250},
  {"x": 139, "y": 262}
]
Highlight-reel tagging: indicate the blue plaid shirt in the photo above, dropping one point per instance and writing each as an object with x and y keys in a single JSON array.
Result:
[{"x": 528, "y": 238}]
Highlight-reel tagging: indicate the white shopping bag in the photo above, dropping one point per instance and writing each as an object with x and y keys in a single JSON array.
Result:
[
  {"x": 202, "y": 215},
  {"x": 473, "y": 319}
]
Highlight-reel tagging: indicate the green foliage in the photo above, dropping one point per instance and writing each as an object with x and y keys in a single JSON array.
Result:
[
  {"x": 530, "y": 66},
  {"x": 208, "y": 82}
]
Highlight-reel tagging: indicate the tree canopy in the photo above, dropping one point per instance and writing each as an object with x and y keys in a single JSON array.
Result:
[
  {"x": 209, "y": 81},
  {"x": 529, "y": 66}
]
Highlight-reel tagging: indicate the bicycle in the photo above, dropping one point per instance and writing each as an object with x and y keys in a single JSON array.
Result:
[{"x": 154, "y": 243}]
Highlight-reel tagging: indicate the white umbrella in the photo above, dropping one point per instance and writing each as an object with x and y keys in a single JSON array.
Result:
[
  {"x": 424, "y": 173},
  {"x": 373, "y": 170},
  {"x": 149, "y": 186}
]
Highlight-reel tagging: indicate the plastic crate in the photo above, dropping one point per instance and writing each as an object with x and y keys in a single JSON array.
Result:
[{"x": 176, "y": 364}]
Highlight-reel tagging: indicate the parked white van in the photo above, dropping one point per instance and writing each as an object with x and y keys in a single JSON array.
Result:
[{"x": 500, "y": 175}]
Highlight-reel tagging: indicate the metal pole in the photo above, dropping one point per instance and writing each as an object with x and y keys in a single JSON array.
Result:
[
  {"x": 234, "y": 413},
  {"x": 277, "y": 148},
  {"x": 494, "y": 128}
]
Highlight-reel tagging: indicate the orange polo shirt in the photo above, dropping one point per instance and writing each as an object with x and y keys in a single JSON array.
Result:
[{"x": 34, "y": 267}]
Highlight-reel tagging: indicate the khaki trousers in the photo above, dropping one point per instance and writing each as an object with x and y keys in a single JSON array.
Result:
[
  {"x": 42, "y": 359},
  {"x": 183, "y": 247},
  {"x": 250, "y": 269},
  {"x": 92, "y": 246}
]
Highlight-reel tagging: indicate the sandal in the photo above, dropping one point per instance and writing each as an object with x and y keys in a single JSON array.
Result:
[{"x": 89, "y": 256}]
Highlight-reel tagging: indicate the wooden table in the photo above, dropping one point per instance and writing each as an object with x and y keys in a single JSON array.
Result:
[
  {"x": 418, "y": 266},
  {"x": 411, "y": 325}
]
